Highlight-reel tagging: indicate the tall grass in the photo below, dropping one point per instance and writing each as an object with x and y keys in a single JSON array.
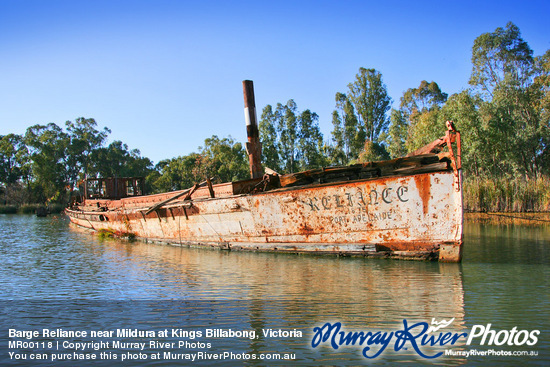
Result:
[{"x": 507, "y": 195}]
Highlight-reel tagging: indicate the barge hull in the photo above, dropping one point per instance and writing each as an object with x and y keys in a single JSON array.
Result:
[{"x": 415, "y": 216}]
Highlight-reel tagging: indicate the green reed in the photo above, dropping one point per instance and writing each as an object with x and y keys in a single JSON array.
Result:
[{"x": 507, "y": 195}]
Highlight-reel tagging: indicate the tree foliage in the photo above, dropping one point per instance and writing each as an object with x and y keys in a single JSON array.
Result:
[
  {"x": 512, "y": 88},
  {"x": 361, "y": 119},
  {"x": 49, "y": 161},
  {"x": 310, "y": 141},
  {"x": 116, "y": 160},
  {"x": 291, "y": 140},
  {"x": 419, "y": 108},
  {"x": 13, "y": 158},
  {"x": 477, "y": 153},
  {"x": 427, "y": 97},
  {"x": 224, "y": 159},
  {"x": 221, "y": 159},
  {"x": 348, "y": 134},
  {"x": 84, "y": 139},
  {"x": 371, "y": 101},
  {"x": 269, "y": 139},
  {"x": 398, "y": 133},
  {"x": 50, "y": 167},
  {"x": 179, "y": 173},
  {"x": 500, "y": 57}
]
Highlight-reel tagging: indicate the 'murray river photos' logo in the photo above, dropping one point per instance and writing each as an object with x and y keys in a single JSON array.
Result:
[{"x": 419, "y": 336}]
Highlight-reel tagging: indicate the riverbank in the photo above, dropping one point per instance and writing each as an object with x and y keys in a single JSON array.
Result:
[
  {"x": 533, "y": 219},
  {"x": 30, "y": 208}
]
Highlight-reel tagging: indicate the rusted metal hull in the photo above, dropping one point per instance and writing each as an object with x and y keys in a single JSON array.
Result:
[{"x": 416, "y": 216}]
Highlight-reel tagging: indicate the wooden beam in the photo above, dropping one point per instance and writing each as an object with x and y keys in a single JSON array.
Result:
[
  {"x": 210, "y": 188},
  {"x": 187, "y": 192}
]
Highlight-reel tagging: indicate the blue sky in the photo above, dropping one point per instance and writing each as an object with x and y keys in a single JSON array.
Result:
[{"x": 164, "y": 75}]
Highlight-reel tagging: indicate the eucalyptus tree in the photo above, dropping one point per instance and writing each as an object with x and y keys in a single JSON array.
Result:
[
  {"x": 420, "y": 108},
  {"x": 287, "y": 131},
  {"x": 348, "y": 134},
  {"x": 179, "y": 173},
  {"x": 371, "y": 101},
  {"x": 47, "y": 146},
  {"x": 14, "y": 169},
  {"x": 501, "y": 57},
  {"x": 506, "y": 77},
  {"x": 478, "y": 152},
  {"x": 269, "y": 139},
  {"x": 291, "y": 140},
  {"x": 84, "y": 139},
  {"x": 117, "y": 160},
  {"x": 12, "y": 158},
  {"x": 361, "y": 116},
  {"x": 310, "y": 141},
  {"x": 224, "y": 159},
  {"x": 427, "y": 97},
  {"x": 398, "y": 133},
  {"x": 541, "y": 88}
]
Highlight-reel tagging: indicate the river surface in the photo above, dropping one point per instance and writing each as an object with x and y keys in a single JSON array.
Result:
[{"x": 54, "y": 276}]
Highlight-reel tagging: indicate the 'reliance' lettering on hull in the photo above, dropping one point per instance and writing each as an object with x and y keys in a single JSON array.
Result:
[{"x": 388, "y": 195}]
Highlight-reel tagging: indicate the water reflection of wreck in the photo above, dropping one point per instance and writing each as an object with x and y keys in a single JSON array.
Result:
[
  {"x": 247, "y": 291},
  {"x": 409, "y": 207}
]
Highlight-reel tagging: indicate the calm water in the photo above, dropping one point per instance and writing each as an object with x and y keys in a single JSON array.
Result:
[{"x": 55, "y": 276}]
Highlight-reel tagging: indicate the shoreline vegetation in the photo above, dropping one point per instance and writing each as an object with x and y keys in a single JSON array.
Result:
[
  {"x": 55, "y": 208},
  {"x": 522, "y": 219},
  {"x": 502, "y": 195}
]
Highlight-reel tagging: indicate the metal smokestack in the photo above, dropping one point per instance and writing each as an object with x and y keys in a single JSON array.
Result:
[{"x": 253, "y": 146}]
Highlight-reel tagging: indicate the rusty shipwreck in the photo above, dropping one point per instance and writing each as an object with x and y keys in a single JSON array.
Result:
[{"x": 408, "y": 208}]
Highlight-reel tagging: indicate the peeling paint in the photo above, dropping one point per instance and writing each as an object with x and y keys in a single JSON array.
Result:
[{"x": 394, "y": 215}]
